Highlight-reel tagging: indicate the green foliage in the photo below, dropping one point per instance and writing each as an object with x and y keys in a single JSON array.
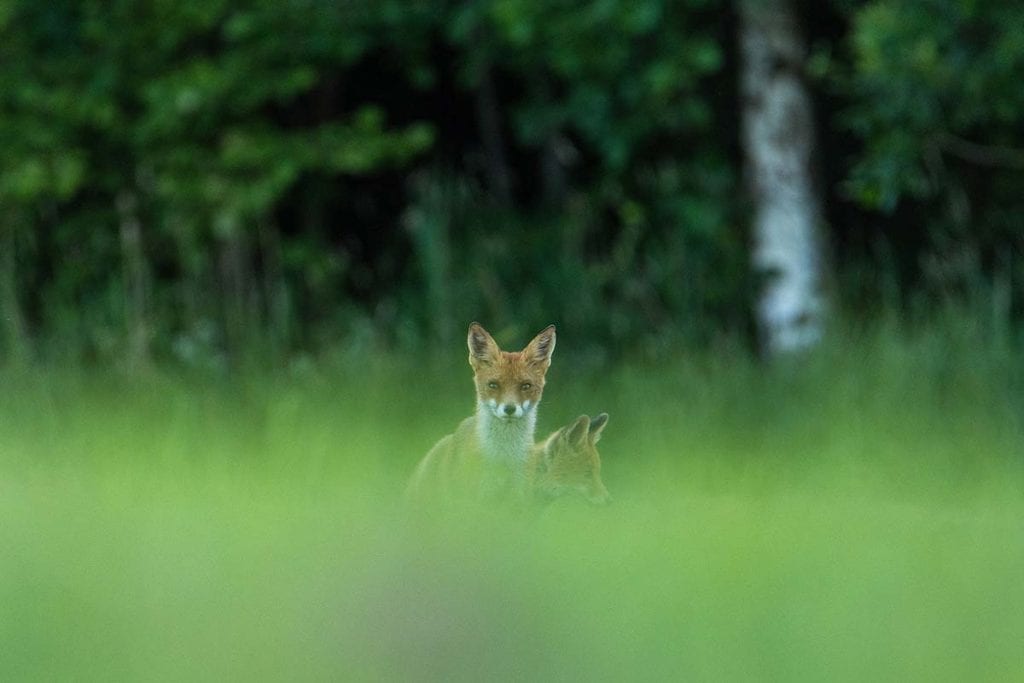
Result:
[
  {"x": 207, "y": 181},
  {"x": 621, "y": 284},
  {"x": 927, "y": 74},
  {"x": 636, "y": 248},
  {"x": 617, "y": 75},
  {"x": 181, "y": 115}
]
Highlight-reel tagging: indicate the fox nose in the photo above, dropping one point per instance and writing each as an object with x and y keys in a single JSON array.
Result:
[{"x": 509, "y": 409}]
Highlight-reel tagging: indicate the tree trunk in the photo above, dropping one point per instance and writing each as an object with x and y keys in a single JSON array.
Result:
[
  {"x": 778, "y": 141},
  {"x": 277, "y": 303},
  {"x": 134, "y": 278},
  {"x": 488, "y": 114},
  {"x": 238, "y": 295},
  {"x": 15, "y": 339},
  {"x": 552, "y": 172},
  {"x": 555, "y": 150},
  {"x": 429, "y": 226}
]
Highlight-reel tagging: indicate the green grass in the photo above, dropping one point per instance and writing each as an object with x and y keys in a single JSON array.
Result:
[{"x": 858, "y": 518}]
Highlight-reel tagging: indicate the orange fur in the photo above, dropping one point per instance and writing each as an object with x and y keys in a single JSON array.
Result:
[
  {"x": 485, "y": 455},
  {"x": 567, "y": 462}
]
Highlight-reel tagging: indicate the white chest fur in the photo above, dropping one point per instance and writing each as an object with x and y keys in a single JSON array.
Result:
[{"x": 505, "y": 441}]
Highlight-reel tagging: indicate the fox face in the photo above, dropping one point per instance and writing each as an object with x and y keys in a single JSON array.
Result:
[
  {"x": 567, "y": 462},
  {"x": 509, "y": 384}
]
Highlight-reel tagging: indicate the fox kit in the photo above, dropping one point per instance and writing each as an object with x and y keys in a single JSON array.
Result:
[
  {"x": 487, "y": 453},
  {"x": 567, "y": 462}
]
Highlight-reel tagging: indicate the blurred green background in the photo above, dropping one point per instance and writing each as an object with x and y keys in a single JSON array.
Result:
[
  {"x": 860, "y": 520},
  {"x": 240, "y": 244}
]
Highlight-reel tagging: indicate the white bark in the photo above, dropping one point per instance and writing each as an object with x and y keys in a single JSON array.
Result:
[{"x": 778, "y": 140}]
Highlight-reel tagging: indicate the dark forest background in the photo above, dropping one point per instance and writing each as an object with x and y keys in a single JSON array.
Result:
[{"x": 206, "y": 181}]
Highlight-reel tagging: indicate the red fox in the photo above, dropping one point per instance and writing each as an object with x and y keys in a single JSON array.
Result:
[
  {"x": 485, "y": 457},
  {"x": 567, "y": 462}
]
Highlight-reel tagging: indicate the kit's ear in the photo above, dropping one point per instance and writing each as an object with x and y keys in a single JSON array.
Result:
[
  {"x": 539, "y": 350},
  {"x": 597, "y": 426},
  {"x": 483, "y": 350},
  {"x": 576, "y": 434}
]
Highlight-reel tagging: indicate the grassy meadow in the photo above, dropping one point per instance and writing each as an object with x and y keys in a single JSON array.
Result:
[{"x": 857, "y": 517}]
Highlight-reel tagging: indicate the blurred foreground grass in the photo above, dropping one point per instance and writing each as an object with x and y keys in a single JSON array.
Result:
[{"x": 858, "y": 518}]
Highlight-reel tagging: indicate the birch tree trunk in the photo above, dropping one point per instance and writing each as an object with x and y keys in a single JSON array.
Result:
[{"x": 778, "y": 141}]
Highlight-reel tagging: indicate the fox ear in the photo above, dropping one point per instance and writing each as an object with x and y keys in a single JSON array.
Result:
[
  {"x": 577, "y": 433},
  {"x": 482, "y": 347},
  {"x": 597, "y": 426},
  {"x": 539, "y": 350}
]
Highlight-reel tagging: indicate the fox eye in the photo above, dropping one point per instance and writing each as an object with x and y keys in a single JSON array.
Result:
[
  {"x": 492, "y": 385},
  {"x": 525, "y": 386}
]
